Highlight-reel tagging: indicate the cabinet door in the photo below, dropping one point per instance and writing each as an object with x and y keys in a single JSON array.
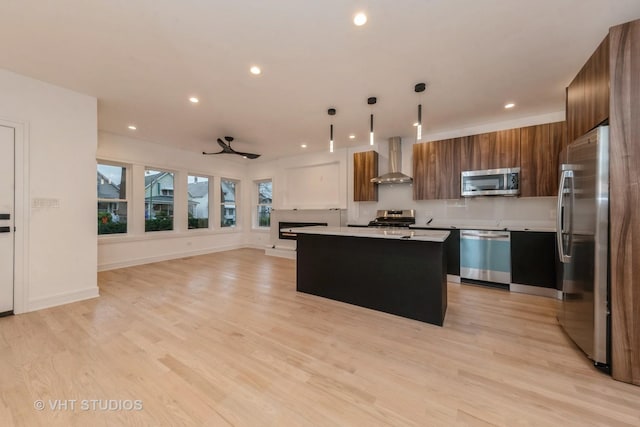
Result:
[
  {"x": 491, "y": 150},
  {"x": 588, "y": 94},
  {"x": 506, "y": 151},
  {"x": 557, "y": 140},
  {"x": 533, "y": 258},
  {"x": 540, "y": 148},
  {"x": 475, "y": 151},
  {"x": 436, "y": 170},
  {"x": 365, "y": 167}
]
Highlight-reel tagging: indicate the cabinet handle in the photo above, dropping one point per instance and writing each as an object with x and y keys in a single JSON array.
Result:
[{"x": 5, "y": 229}]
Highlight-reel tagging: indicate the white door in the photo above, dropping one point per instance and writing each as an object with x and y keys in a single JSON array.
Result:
[{"x": 6, "y": 218}]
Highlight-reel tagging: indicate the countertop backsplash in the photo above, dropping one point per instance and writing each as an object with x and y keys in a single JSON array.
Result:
[{"x": 497, "y": 211}]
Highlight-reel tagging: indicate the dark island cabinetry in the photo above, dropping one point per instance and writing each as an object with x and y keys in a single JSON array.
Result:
[
  {"x": 451, "y": 248},
  {"x": 402, "y": 277}
]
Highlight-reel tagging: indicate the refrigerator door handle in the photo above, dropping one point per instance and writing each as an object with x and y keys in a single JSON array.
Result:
[{"x": 566, "y": 174}]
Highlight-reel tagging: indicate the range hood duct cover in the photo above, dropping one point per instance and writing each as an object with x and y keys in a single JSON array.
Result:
[{"x": 395, "y": 164}]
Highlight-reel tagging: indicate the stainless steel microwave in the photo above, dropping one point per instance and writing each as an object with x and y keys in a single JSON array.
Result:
[{"x": 491, "y": 182}]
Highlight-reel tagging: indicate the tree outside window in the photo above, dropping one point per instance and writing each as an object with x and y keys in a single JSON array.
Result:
[
  {"x": 158, "y": 200},
  {"x": 228, "y": 213},
  {"x": 112, "y": 199},
  {"x": 265, "y": 200}
]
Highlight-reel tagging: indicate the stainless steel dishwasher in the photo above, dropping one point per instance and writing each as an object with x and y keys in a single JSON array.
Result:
[{"x": 485, "y": 255}]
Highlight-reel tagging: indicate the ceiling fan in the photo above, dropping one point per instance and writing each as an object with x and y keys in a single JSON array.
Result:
[{"x": 226, "y": 149}]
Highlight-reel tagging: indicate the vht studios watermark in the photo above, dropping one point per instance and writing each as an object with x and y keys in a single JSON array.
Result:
[{"x": 88, "y": 405}]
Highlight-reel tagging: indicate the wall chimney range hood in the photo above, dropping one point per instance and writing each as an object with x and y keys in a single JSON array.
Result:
[{"x": 394, "y": 176}]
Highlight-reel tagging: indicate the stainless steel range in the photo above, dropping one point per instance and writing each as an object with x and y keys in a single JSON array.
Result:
[{"x": 394, "y": 218}]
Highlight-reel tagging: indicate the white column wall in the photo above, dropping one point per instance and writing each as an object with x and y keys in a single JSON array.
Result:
[{"x": 58, "y": 150}]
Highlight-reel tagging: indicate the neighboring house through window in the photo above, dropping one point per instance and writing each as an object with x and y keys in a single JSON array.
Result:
[
  {"x": 158, "y": 200},
  {"x": 198, "y": 201},
  {"x": 112, "y": 198},
  {"x": 228, "y": 206},
  {"x": 264, "y": 202}
]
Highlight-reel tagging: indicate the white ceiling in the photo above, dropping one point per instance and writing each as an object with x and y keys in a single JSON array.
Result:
[{"x": 143, "y": 59}]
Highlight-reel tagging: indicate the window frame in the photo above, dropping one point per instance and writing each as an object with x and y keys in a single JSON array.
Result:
[
  {"x": 175, "y": 175},
  {"x": 210, "y": 201},
  {"x": 237, "y": 187},
  {"x": 256, "y": 204},
  {"x": 127, "y": 188}
]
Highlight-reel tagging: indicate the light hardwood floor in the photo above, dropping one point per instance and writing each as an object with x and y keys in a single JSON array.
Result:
[{"x": 224, "y": 339}]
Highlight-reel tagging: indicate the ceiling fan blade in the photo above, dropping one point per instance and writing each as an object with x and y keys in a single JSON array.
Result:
[
  {"x": 226, "y": 149},
  {"x": 219, "y": 152},
  {"x": 247, "y": 155}
]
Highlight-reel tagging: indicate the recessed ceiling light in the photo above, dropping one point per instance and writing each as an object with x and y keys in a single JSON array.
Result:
[
  {"x": 303, "y": 145},
  {"x": 255, "y": 70},
  {"x": 194, "y": 100},
  {"x": 509, "y": 105},
  {"x": 360, "y": 19},
  {"x": 132, "y": 127},
  {"x": 352, "y": 136}
]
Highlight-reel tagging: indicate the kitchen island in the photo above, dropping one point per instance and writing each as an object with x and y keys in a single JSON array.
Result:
[{"x": 398, "y": 271}]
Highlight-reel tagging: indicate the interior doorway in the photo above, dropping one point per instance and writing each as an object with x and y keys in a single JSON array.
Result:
[{"x": 7, "y": 219}]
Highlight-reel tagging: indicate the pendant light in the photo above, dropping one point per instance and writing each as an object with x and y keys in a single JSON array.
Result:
[
  {"x": 331, "y": 112},
  {"x": 419, "y": 88},
  {"x": 371, "y": 101}
]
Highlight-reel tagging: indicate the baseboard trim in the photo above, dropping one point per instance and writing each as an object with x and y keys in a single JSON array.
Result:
[
  {"x": 167, "y": 257},
  {"x": 535, "y": 290},
  {"x": 453, "y": 279},
  {"x": 282, "y": 253},
  {"x": 64, "y": 298}
]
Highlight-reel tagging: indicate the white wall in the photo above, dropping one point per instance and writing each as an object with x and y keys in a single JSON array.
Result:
[
  {"x": 318, "y": 180},
  {"x": 60, "y": 133},
  {"x": 138, "y": 246}
]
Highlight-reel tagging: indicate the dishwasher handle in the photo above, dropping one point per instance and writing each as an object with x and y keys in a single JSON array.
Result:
[{"x": 485, "y": 234}]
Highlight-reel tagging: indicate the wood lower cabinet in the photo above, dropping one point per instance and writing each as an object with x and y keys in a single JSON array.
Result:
[
  {"x": 540, "y": 148},
  {"x": 436, "y": 169},
  {"x": 491, "y": 150},
  {"x": 365, "y": 167}
]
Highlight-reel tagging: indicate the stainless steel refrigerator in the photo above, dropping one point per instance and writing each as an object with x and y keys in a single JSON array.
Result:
[{"x": 582, "y": 238}]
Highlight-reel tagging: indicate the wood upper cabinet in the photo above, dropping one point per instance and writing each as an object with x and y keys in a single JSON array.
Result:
[
  {"x": 588, "y": 94},
  {"x": 365, "y": 167},
  {"x": 436, "y": 169},
  {"x": 491, "y": 150},
  {"x": 540, "y": 148}
]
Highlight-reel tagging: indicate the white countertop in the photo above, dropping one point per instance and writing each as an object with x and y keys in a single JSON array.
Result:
[
  {"x": 507, "y": 225},
  {"x": 378, "y": 233}
]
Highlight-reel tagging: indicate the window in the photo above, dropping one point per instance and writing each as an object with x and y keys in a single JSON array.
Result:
[
  {"x": 198, "y": 201},
  {"x": 158, "y": 200},
  {"x": 228, "y": 216},
  {"x": 112, "y": 199},
  {"x": 265, "y": 199}
]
